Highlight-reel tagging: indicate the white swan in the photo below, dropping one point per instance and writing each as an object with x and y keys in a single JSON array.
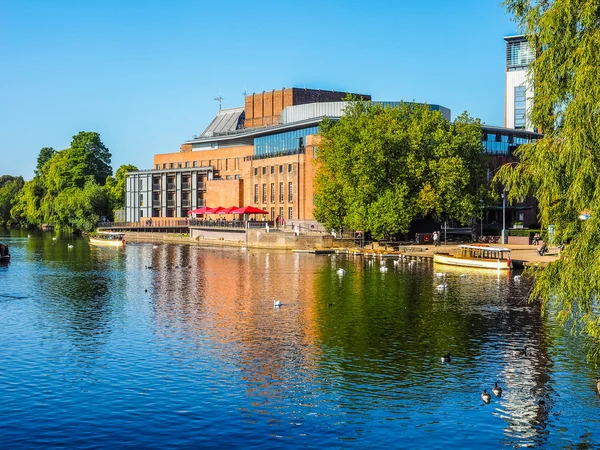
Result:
[
  {"x": 70, "y": 246},
  {"x": 53, "y": 238},
  {"x": 383, "y": 269},
  {"x": 277, "y": 303},
  {"x": 244, "y": 249},
  {"x": 396, "y": 262},
  {"x": 441, "y": 287},
  {"x": 517, "y": 278},
  {"x": 440, "y": 274},
  {"x": 340, "y": 272},
  {"x": 463, "y": 275}
]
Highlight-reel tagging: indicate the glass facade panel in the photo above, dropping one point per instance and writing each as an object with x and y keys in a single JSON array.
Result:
[
  {"x": 282, "y": 143},
  {"x": 502, "y": 143},
  {"x": 520, "y": 102},
  {"x": 518, "y": 54}
]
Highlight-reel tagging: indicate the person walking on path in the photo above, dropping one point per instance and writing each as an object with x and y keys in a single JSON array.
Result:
[{"x": 435, "y": 239}]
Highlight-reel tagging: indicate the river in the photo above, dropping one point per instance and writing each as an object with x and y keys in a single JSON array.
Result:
[{"x": 162, "y": 345}]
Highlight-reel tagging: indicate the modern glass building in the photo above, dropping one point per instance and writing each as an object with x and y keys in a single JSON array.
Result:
[{"x": 519, "y": 91}]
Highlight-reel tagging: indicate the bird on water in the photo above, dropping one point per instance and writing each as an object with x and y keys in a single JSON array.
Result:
[
  {"x": 277, "y": 303},
  {"x": 485, "y": 396},
  {"x": 446, "y": 358},
  {"x": 497, "y": 390}
]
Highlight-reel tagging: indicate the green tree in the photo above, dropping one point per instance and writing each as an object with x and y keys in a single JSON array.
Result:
[
  {"x": 561, "y": 169},
  {"x": 44, "y": 156},
  {"x": 379, "y": 168},
  {"x": 9, "y": 191},
  {"x": 90, "y": 157},
  {"x": 116, "y": 186}
]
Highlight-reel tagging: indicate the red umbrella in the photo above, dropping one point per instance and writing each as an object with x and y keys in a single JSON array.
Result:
[
  {"x": 214, "y": 210},
  {"x": 199, "y": 210},
  {"x": 228, "y": 210},
  {"x": 249, "y": 210}
]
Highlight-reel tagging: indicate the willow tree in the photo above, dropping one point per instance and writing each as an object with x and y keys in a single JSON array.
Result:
[
  {"x": 562, "y": 169},
  {"x": 381, "y": 167}
]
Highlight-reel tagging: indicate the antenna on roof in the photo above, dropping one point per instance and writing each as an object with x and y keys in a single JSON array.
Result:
[
  {"x": 219, "y": 99},
  {"x": 245, "y": 92}
]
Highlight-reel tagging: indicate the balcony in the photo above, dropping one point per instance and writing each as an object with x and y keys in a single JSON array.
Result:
[
  {"x": 185, "y": 203},
  {"x": 156, "y": 203},
  {"x": 201, "y": 202},
  {"x": 201, "y": 185},
  {"x": 185, "y": 186},
  {"x": 171, "y": 186},
  {"x": 170, "y": 203},
  {"x": 156, "y": 187}
]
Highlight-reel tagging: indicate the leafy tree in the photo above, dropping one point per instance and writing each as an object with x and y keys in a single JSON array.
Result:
[
  {"x": 116, "y": 186},
  {"x": 90, "y": 156},
  {"x": 44, "y": 156},
  {"x": 9, "y": 191},
  {"x": 81, "y": 209},
  {"x": 561, "y": 169},
  {"x": 381, "y": 167}
]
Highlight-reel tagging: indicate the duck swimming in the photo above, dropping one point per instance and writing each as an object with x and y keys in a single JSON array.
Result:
[
  {"x": 497, "y": 390},
  {"x": 485, "y": 396},
  {"x": 277, "y": 303},
  {"x": 446, "y": 358}
]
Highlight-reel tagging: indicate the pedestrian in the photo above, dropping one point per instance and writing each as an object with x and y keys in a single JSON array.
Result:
[
  {"x": 435, "y": 239},
  {"x": 277, "y": 221}
]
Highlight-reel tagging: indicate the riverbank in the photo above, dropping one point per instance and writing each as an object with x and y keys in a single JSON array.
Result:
[{"x": 525, "y": 255}]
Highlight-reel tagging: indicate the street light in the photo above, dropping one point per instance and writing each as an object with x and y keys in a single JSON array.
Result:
[{"x": 503, "y": 216}]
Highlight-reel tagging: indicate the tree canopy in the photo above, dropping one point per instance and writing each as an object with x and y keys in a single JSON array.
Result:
[
  {"x": 69, "y": 189},
  {"x": 116, "y": 186},
  {"x": 381, "y": 167},
  {"x": 9, "y": 189},
  {"x": 561, "y": 170}
]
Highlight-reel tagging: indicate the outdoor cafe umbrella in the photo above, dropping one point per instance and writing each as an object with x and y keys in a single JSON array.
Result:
[
  {"x": 199, "y": 210},
  {"x": 228, "y": 210},
  {"x": 214, "y": 210},
  {"x": 248, "y": 210}
]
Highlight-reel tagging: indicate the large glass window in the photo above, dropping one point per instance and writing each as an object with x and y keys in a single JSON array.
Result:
[
  {"x": 520, "y": 102},
  {"x": 272, "y": 192},
  {"x": 282, "y": 143},
  {"x": 290, "y": 216},
  {"x": 290, "y": 192},
  {"x": 264, "y": 194},
  {"x": 518, "y": 54},
  {"x": 256, "y": 193},
  {"x": 281, "y": 194}
]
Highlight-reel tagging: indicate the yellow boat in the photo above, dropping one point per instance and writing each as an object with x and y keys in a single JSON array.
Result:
[
  {"x": 479, "y": 256},
  {"x": 108, "y": 239}
]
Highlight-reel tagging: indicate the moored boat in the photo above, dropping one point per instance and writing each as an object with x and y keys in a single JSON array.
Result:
[
  {"x": 479, "y": 256},
  {"x": 4, "y": 253},
  {"x": 108, "y": 239}
]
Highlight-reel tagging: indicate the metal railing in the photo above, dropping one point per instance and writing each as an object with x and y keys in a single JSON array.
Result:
[
  {"x": 185, "y": 185},
  {"x": 185, "y": 202},
  {"x": 170, "y": 203},
  {"x": 201, "y": 185},
  {"x": 156, "y": 187},
  {"x": 170, "y": 186},
  {"x": 156, "y": 203}
]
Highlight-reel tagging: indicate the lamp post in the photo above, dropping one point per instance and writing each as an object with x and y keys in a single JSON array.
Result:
[{"x": 503, "y": 216}]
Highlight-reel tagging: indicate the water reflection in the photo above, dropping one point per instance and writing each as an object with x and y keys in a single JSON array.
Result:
[{"x": 183, "y": 333}]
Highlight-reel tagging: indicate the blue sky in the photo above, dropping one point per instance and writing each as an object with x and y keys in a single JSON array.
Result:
[{"x": 144, "y": 73}]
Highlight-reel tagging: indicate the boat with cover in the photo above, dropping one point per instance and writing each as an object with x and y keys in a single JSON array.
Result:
[
  {"x": 480, "y": 256},
  {"x": 108, "y": 239},
  {"x": 4, "y": 253}
]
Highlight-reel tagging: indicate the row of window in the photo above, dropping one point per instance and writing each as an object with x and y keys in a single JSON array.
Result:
[
  {"x": 290, "y": 214},
  {"x": 520, "y": 107},
  {"x": 220, "y": 164},
  {"x": 272, "y": 169},
  {"x": 289, "y": 142},
  {"x": 272, "y": 198}
]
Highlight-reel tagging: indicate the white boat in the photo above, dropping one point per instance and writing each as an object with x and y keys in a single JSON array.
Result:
[
  {"x": 480, "y": 256},
  {"x": 108, "y": 239}
]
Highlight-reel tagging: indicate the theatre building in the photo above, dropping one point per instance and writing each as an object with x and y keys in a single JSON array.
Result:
[{"x": 262, "y": 155}]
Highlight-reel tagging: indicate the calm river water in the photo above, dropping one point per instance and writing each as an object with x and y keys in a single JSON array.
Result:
[{"x": 160, "y": 346}]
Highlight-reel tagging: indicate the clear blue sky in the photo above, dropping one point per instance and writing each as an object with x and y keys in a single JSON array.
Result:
[{"x": 144, "y": 73}]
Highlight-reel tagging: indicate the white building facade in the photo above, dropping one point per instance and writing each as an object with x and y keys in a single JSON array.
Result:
[{"x": 519, "y": 90}]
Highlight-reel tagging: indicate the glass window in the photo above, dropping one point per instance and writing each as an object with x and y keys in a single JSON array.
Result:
[
  {"x": 157, "y": 166},
  {"x": 288, "y": 143},
  {"x": 226, "y": 164},
  {"x": 256, "y": 171},
  {"x": 281, "y": 194},
  {"x": 290, "y": 216},
  {"x": 164, "y": 166},
  {"x": 264, "y": 171},
  {"x": 256, "y": 193},
  {"x": 520, "y": 104},
  {"x": 172, "y": 166},
  {"x": 187, "y": 164},
  {"x": 264, "y": 193},
  {"x": 272, "y": 213},
  {"x": 272, "y": 170},
  {"x": 290, "y": 168},
  {"x": 290, "y": 192},
  {"x": 195, "y": 164},
  {"x": 272, "y": 192},
  {"x": 281, "y": 168},
  {"x": 179, "y": 165},
  {"x": 281, "y": 212}
]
